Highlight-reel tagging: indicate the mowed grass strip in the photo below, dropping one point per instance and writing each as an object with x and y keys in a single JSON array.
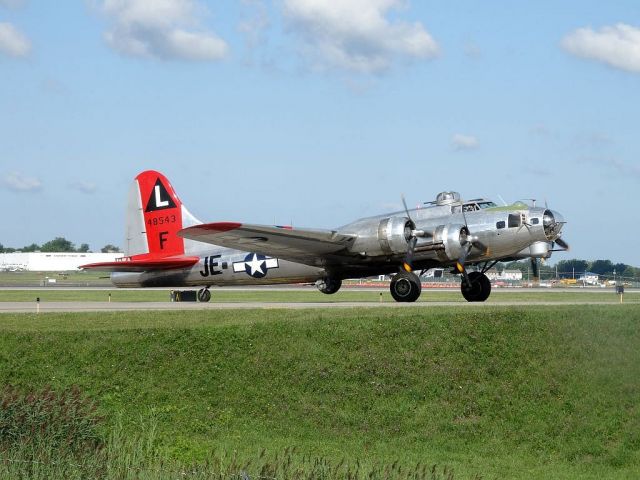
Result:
[
  {"x": 505, "y": 392},
  {"x": 222, "y": 295}
]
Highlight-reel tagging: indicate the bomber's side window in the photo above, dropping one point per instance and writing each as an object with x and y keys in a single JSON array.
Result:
[
  {"x": 534, "y": 221},
  {"x": 514, "y": 220},
  {"x": 500, "y": 224}
]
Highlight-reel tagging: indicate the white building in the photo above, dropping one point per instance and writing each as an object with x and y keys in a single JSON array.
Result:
[
  {"x": 589, "y": 278},
  {"x": 51, "y": 261},
  {"x": 505, "y": 275},
  {"x": 511, "y": 275}
]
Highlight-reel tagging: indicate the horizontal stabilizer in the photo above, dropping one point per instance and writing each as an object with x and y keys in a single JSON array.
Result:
[{"x": 145, "y": 264}]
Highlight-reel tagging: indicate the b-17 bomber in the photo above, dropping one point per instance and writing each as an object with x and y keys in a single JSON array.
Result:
[{"x": 166, "y": 246}]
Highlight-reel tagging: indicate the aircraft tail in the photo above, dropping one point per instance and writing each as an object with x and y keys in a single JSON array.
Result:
[{"x": 155, "y": 214}]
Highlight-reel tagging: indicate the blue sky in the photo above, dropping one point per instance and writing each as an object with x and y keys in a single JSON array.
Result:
[{"x": 315, "y": 112}]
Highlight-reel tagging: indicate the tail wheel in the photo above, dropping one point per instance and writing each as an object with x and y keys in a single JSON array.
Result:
[
  {"x": 478, "y": 289},
  {"x": 204, "y": 295},
  {"x": 405, "y": 287}
]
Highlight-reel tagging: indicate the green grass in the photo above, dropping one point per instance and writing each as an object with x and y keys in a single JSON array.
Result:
[
  {"x": 515, "y": 392},
  {"x": 222, "y": 295}
]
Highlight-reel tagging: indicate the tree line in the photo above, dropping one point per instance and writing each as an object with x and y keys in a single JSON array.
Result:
[
  {"x": 58, "y": 244},
  {"x": 576, "y": 267}
]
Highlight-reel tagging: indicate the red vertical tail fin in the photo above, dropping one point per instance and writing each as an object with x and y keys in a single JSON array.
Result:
[{"x": 155, "y": 214}]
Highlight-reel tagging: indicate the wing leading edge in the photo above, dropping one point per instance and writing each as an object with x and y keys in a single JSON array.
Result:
[{"x": 311, "y": 247}]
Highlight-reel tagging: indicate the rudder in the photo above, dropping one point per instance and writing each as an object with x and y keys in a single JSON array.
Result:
[{"x": 155, "y": 214}]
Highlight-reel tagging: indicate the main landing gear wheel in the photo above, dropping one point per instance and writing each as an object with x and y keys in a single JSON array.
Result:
[
  {"x": 479, "y": 289},
  {"x": 329, "y": 285},
  {"x": 405, "y": 287},
  {"x": 204, "y": 295}
]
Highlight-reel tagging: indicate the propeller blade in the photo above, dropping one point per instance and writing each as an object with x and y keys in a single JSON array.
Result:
[
  {"x": 481, "y": 246},
  {"x": 406, "y": 209},
  {"x": 408, "y": 259},
  {"x": 534, "y": 268},
  {"x": 562, "y": 243},
  {"x": 463, "y": 258},
  {"x": 461, "y": 268}
]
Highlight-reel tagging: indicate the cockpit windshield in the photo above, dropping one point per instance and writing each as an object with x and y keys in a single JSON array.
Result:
[
  {"x": 475, "y": 206},
  {"x": 484, "y": 205}
]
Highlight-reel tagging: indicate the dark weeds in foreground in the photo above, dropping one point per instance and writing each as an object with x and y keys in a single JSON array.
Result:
[
  {"x": 66, "y": 420},
  {"x": 47, "y": 434}
]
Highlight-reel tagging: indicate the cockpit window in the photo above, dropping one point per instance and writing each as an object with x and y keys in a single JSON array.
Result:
[
  {"x": 470, "y": 207},
  {"x": 484, "y": 205}
]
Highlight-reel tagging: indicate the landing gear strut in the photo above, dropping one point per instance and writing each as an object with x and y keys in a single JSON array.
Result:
[
  {"x": 405, "y": 287},
  {"x": 204, "y": 295},
  {"x": 329, "y": 285},
  {"x": 476, "y": 288}
]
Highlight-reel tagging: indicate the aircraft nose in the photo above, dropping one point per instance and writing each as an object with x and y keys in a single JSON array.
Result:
[{"x": 552, "y": 222}]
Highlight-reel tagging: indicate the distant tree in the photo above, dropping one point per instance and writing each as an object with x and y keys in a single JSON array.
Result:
[
  {"x": 620, "y": 267},
  {"x": 110, "y": 249},
  {"x": 34, "y": 247},
  {"x": 567, "y": 268},
  {"x": 629, "y": 272},
  {"x": 58, "y": 244},
  {"x": 522, "y": 266},
  {"x": 83, "y": 248},
  {"x": 1, "y": 248},
  {"x": 601, "y": 267}
]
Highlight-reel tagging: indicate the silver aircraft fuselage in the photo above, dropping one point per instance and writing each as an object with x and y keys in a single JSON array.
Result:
[{"x": 511, "y": 232}]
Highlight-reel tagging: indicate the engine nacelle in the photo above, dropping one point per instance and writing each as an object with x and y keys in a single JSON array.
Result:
[
  {"x": 394, "y": 234},
  {"x": 535, "y": 250},
  {"x": 453, "y": 237},
  {"x": 386, "y": 237}
]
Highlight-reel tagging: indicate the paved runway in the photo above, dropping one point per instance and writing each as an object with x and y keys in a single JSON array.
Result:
[{"x": 32, "y": 307}]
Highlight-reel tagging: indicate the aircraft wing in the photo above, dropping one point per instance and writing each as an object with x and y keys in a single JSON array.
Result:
[
  {"x": 129, "y": 264},
  {"x": 312, "y": 247}
]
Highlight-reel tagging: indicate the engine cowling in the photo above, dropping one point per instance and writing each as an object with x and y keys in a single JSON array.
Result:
[
  {"x": 394, "y": 234},
  {"x": 454, "y": 239}
]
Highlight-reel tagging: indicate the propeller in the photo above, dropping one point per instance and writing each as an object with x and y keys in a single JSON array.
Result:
[
  {"x": 562, "y": 243},
  {"x": 467, "y": 242},
  {"x": 535, "y": 270},
  {"x": 413, "y": 240},
  {"x": 552, "y": 227}
]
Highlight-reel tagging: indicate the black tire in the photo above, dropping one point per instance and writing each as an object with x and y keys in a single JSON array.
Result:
[
  {"x": 329, "y": 285},
  {"x": 204, "y": 295},
  {"x": 479, "y": 290},
  {"x": 405, "y": 287}
]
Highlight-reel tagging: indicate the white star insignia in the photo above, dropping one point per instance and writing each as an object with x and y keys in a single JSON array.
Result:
[{"x": 256, "y": 265}]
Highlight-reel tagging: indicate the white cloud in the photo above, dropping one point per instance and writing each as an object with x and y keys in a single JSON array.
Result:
[
  {"x": 630, "y": 171},
  {"x": 618, "y": 45},
  {"x": 255, "y": 22},
  {"x": 18, "y": 182},
  {"x": 84, "y": 186},
  {"x": 357, "y": 35},
  {"x": 13, "y": 42},
  {"x": 167, "y": 29},
  {"x": 464, "y": 142}
]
